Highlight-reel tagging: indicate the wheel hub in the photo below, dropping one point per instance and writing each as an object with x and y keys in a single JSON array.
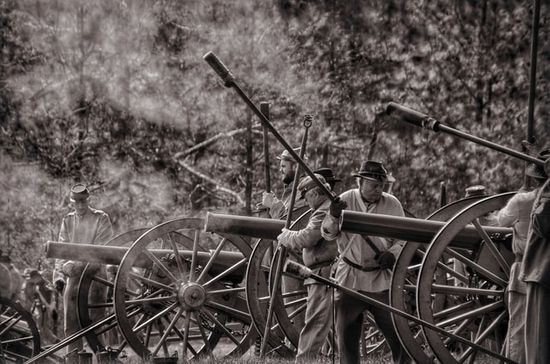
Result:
[{"x": 191, "y": 296}]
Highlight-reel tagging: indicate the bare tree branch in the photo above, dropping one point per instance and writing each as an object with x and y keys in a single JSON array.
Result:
[
  {"x": 212, "y": 140},
  {"x": 213, "y": 181}
]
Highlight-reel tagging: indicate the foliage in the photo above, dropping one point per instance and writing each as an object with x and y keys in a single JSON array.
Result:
[{"x": 114, "y": 93}]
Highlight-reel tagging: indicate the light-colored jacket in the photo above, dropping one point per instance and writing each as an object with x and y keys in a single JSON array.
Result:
[
  {"x": 92, "y": 228},
  {"x": 355, "y": 248},
  {"x": 316, "y": 251},
  {"x": 517, "y": 214}
]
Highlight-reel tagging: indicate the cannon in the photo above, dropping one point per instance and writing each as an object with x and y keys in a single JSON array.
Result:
[
  {"x": 169, "y": 287},
  {"x": 418, "y": 232}
]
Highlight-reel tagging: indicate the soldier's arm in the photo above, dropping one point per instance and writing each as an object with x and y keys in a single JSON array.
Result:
[
  {"x": 308, "y": 236},
  {"x": 104, "y": 230},
  {"x": 58, "y": 274},
  {"x": 508, "y": 215}
]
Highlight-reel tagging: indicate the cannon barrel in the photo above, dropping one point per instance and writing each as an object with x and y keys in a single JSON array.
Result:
[
  {"x": 395, "y": 227},
  {"x": 411, "y": 229},
  {"x": 424, "y": 121},
  {"x": 113, "y": 255}
]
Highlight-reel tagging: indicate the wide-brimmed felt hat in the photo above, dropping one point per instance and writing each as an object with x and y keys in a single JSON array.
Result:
[
  {"x": 79, "y": 192},
  {"x": 328, "y": 174},
  {"x": 285, "y": 155},
  {"x": 536, "y": 171},
  {"x": 372, "y": 170}
]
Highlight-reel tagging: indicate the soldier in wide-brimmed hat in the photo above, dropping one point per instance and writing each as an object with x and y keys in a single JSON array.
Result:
[
  {"x": 84, "y": 225},
  {"x": 365, "y": 262},
  {"x": 318, "y": 254}
]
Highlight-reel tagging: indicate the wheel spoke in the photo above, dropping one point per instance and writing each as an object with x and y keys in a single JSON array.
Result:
[
  {"x": 452, "y": 310},
  {"x": 212, "y": 259},
  {"x": 160, "y": 265},
  {"x": 492, "y": 248},
  {"x": 152, "y": 282},
  {"x": 481, "y": 270},
  {"x": 151, "y": 300},
  {"x": 233, "y": 312},
  {"x": 203, "y": 333},
  {"x": 461, "y": 291},
  {"x": 473, "y": 313},
  {"x": 297, "y": 311},
  {"x": 295, "y": 302},
  {"x": 194, "y": 256},
  {"x": 226, "y": 272},
  {"x": 227, "y": 290},
  {"x": 483, "y": 335},
  {"x": 156, "y": 316},
  {"x": 179, "y": 261},
  {"x": 186, "y": 330},
  {"x": 221, "y": 326},
  {"x": 168, "y": 329}
]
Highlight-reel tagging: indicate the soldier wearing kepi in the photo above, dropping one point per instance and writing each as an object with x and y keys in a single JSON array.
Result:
[
  {"x": 535, "y": 271},
  {"x": 318, "y": 255},
  {"x": 365, "y": 262},
  {"x": 83, "y": 225}
]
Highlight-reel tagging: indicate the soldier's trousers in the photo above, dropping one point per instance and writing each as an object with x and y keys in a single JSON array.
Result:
[
  {"x": 515, "y": 338},
  {"x": 318, "y": 321},
  {"x": 349, "y": 323},
  {"x": 537, "y": 324}
]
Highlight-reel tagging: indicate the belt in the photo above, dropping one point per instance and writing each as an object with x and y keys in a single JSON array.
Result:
[
  {"x": 357, "y": 266},
  {"x": 518, "y": 258},
  {"x": 321, "y": 264}
]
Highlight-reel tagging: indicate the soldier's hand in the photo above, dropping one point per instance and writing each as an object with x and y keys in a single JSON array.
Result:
[
  {"x": 267, "y": 199},
  {"x": 336, "y": 207},
  {"x": 59, "y": 285},
  {"x": 385, "y": 259},
  {"x": 282, "y": 238}
]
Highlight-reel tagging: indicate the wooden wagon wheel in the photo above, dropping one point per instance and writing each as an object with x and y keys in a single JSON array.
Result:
[
  {"x": 474, "y": 309},
  {"x": 403, "y": 284},
  {"x": 92, "y": 308},
  {"x": 188, "y": 303},
  {"x": 19, "y": 336}
]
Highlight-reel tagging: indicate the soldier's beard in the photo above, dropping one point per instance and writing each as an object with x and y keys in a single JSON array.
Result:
[{"x": 288, "y": 178}]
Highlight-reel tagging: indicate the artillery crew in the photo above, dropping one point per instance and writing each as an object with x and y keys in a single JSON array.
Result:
[
  {"x": 318, "y": 255},
  {"x": 365, "y": 262},
  {"x": 83, "y": 225}
]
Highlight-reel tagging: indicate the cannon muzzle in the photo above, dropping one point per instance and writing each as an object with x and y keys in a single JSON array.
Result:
[
  {"x": 255, "y": 227},
  {"x": 424, "y": 121}
]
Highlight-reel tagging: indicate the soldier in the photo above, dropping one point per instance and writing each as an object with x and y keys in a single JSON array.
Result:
[
  {"x": 535, "y": 271},
  {"x": 516, "y": 214},
  {"x": 83, "y": 225},
  {"x": 278, "y": 207},
  {"x": 318, "y": 255},
  {"x": 362, "y": 267}
]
